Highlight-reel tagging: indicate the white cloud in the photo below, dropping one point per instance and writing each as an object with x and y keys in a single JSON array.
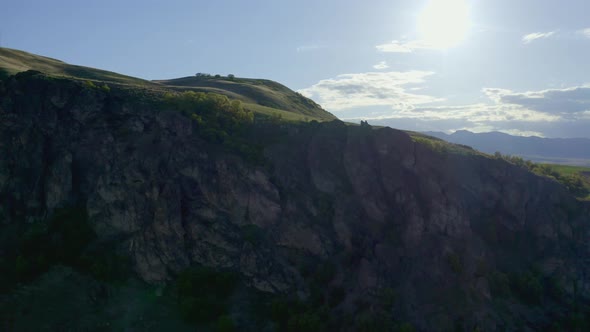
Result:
[
  {"x": 397, "y": 46},
  {"x": 527, "y": 39},
  {"x": 381, "y": 65},
  {"x": 550, "y": 113},
  {"x": 569, "y": 102},
  {"x": 518, "y": 132},
  {"x": 370, "y": 89},
  {"x": 475, "y": 113},
  {"x": 585, "y": 32},
  {"x": 398, "y": 99}
]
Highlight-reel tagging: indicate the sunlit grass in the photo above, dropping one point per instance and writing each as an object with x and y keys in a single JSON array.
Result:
[
  {"x": 584, "y": 172},
  {"x": 15, "y": 61},
  {"x": 440, "y": 145},
  {"x": 570, "y": 170},
  {"x": 283, "y": 115}
]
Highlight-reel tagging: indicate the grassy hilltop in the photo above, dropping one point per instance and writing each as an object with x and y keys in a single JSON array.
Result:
[{"x": 263, "y": 97}]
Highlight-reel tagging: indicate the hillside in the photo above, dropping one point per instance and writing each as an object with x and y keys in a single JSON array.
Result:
[
  {"x": 254, "y": 91},
  {"x": 15, "y": 61},
  {"x": 573, "y": 151},
  {"x": 127, "y": 211},
  {"x": 263, "y": 97}
]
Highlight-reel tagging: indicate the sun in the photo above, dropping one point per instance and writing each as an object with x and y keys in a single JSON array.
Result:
[{"x": 444, "y": 23}]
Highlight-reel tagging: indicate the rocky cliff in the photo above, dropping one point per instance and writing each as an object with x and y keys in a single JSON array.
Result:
[{"x": 438, "y": 240}]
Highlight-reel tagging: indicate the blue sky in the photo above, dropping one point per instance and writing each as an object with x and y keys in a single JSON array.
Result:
[{"x": 516, "y": 66}]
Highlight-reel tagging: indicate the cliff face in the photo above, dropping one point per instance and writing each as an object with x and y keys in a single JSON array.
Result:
[{"x": 439, "y": 230}]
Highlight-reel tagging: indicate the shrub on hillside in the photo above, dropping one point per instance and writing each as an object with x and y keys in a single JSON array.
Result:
[{"x": 203, "y": 293}]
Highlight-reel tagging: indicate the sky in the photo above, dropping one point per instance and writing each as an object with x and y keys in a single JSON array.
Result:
[{"x": 519, "y": 67}]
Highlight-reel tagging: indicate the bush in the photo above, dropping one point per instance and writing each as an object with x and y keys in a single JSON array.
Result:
[
  {"x": 336, "y": 296},
  {"x": 106, "y": 266},
  {"x": 499, "y": 284},
  {"x": 370, "y": 321},
  {"x": 575, "y": 184},
  {"x": 67, "y": 238},
  {"x": 90, "y": 84},
  {"x": 217, "y": 119},
  {"x": 224, "y": 324},
  {"x": 61, "y": 240},
  {"x": 527, "y": 286},
  {"x": 203, "y": 293},
  {"x": 455, "y": 263},
  {"x": 307, "y": 321}
]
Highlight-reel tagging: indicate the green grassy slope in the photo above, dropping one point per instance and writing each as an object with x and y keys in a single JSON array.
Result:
[
  {"x": 583, "y": 172},
  {"x": 571, "y": 170},
  {"x": 14, "y": 61},
  {"x": 440, "y": 145},
  {"x": 254, "y": 91},
  {"x": 263, "y": 97}
]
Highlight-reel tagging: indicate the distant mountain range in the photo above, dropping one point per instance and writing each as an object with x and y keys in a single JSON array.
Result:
[{"x": 573, "y": 151}]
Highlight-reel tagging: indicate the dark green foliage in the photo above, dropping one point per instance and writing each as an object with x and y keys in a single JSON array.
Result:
[
  {"x": 371, "y": 321},
  {"x": 499, "y": 284},
  {"x": 404, "y": 327},
  {"x": 59, "y": 241},
  {"x": 65, "y": 239},
  {"x": 528, "y": 287},
  {"x": 554, "y": 289},
  {"x": 217, "y": 120},
  {"x": 280, "y": 310},
  {"x": 276, "y": 118},
  {"x": 224, "y": 324},
  {"x": 455, "y": 263},
  {"x": 441, "y": 146},
  {"x": 217, "y": 111},
  {"x": 336, "y": 295},
  {"x": 105, "y": 265},
  {"x": 575, "y": 184},
  {"x": 387, "y": 296},
  {"x": 90, "y": 84},
  {"x": 307, "y": 321},
  {"x": 203, "y": 294},
  {"x": 312, "y": 314},
  {"x": 294, "y": 315},
  {"x": 103, "y": 87}
]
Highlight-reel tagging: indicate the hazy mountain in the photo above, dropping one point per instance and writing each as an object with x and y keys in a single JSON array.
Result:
[
  {"x": 559, "y": 150},
  {"x": 141, "y": 207}
]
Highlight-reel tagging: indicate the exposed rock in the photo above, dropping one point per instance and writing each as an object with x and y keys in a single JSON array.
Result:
[{"x": 432, "y": 226}]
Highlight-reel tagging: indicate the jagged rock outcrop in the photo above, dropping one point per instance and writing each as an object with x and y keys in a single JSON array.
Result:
[{"x": 387, "y": 212}]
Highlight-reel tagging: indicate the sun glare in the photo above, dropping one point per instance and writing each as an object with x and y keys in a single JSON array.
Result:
[{"x": 444, "y": 23}]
